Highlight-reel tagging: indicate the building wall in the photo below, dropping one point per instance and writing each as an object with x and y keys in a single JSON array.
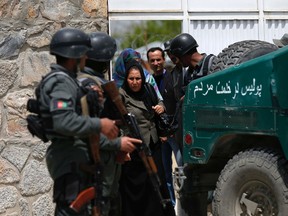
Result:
[
  {"x": 221, "y": 23},
  {"x": 215, "y": 24},
  {"x": 26, "y": 28}
]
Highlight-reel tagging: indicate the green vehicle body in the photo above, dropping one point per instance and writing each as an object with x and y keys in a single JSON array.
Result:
[
  {"x": 239, "y": 108},
  {"x": 248, "y": 99}
]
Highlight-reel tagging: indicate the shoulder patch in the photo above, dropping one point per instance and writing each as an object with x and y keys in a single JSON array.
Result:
[{"x": 61, "y": 105}]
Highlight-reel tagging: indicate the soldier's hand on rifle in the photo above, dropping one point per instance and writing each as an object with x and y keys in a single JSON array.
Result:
[
  {"x": 109, "y": 128},
  {"x": 128, "y": 144},
  {"x": 158, "y": 109}
]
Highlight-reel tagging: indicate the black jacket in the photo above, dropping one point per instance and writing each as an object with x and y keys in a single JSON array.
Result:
[{"x": 166, "y": 88}]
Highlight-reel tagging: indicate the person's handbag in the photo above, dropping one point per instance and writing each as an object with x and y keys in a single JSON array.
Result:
[{"x": 166, "y": 124}]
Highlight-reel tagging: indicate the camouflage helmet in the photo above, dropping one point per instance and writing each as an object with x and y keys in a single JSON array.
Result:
[
  {"x": 103, "y": 47},
  {"x": 70, "y": 43},
  {"x": 182, "y": 43}
]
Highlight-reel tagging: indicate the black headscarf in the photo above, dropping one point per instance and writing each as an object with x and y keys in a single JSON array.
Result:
[
  {"x": 141, "y": 95},
  {"x": 136, "y": 95}
]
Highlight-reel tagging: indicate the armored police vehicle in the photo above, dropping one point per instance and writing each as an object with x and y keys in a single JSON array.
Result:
[{"x": 236, "y": 135}]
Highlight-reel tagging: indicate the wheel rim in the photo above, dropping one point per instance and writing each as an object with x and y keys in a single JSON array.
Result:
[{"x": 261, "y": 194}]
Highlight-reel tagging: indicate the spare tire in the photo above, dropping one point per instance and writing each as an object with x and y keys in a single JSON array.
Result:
[{"x": 240, "y": 52}]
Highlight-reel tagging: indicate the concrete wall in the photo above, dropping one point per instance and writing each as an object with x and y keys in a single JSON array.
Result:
[{"x": 26, "y": 28}]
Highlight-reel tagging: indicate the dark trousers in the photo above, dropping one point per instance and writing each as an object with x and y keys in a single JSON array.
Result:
[
  {"x": 66, "y": 189},
  {"x": 137, "y": 192}
]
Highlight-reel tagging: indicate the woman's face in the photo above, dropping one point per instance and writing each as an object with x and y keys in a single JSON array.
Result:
[{"x": 134, "y": 80}]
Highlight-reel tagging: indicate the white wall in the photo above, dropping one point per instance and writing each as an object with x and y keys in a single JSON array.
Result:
[{"x": 214, "y": 23}]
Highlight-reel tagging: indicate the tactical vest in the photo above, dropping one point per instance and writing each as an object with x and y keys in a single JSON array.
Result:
[{"x": 39, "y": 123}]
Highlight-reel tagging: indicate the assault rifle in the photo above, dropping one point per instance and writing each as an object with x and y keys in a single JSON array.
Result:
[
  {"x": 143, "y": 150},
  {"x": 93, "y": 193}
]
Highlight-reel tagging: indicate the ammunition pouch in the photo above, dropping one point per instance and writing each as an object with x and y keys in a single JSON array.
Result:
[
  {"x": 32, "y": 106},
  {"x": 34, "y": 122},
  {"x": 35, "y": 127}
]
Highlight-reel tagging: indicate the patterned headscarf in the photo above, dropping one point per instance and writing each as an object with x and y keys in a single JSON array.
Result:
[{"x": 119, "y": 70}]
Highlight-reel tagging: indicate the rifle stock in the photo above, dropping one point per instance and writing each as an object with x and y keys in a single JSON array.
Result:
[
  {"x": 111, "y": 89},
  {"x": 83, "y": 198},
  {"x": 143, "y": 150}
]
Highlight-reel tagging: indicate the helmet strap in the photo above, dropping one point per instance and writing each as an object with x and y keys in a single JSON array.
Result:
[{"x": 78, "y": 63}]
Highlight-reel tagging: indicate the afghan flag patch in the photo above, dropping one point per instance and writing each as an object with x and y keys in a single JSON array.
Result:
[{"x": 60, "y": 104}]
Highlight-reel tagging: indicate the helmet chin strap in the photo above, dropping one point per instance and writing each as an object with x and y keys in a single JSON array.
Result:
[
  {"x": 78, "y": 63},
  {"x": 105, "y": 70}
]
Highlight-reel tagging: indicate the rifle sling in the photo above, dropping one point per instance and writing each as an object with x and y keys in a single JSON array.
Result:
[
  {"x": 89, "y": 194},
  {"x": 84, "y": 106},
  {"x": 93, "y": 139}
]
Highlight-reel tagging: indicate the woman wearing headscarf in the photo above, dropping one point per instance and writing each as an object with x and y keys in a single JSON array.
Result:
[
  {"x": 119, "y": 70},
  {"x": 137, "y": 192}
]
